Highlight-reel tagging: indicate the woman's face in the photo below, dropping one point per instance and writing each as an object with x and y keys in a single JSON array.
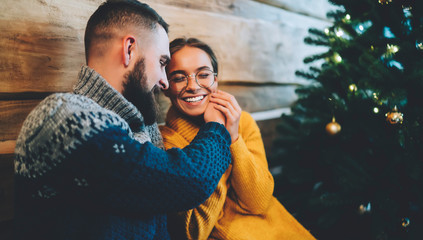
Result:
[{"x": 191, "y": 99}]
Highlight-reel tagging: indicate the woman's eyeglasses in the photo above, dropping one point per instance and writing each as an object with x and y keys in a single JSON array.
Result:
[{"x": 204, "y": 79}]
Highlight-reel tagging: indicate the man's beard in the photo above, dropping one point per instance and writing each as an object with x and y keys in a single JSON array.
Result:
[{"x": 136, "y": 91}]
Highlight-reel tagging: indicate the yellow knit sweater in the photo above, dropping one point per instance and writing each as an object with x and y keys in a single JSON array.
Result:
[{"x": 242, "y": 206}]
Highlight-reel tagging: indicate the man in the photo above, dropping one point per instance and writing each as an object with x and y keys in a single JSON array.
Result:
[{"x": 89, "y": 164}]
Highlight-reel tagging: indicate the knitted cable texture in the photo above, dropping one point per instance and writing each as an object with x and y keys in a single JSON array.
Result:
[
  {"x": 86, "y": 168},
  {"x": 93, "y": 86},
  {"x": 242, "y": 206}
]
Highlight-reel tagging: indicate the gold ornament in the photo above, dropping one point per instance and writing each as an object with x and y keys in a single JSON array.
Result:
[
  {"x": 333, "y": 127},
  {"x": 385, "y": 1},
  {"x": 394, "y": 117}
]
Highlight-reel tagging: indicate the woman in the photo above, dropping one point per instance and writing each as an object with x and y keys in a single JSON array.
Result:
[{"x": 242, "y": 206}]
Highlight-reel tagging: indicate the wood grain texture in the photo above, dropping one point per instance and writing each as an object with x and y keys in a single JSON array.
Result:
[
  {"x": 260, "y": 9},
  {"x": 43, "y": 49},
  {"x": 41, "y": 44},
  {"x": 36, "y": 57},
  {"x": 7, "y": 147},
  {"x": 248, "y": 49},
  {"x": 12, "y": 115},
  {"x": 262, "y": 98},
  {"x": 316, "y": 9}
]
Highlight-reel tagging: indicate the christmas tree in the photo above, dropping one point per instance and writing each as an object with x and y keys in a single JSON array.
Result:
[{"x": 351, "y": 152}]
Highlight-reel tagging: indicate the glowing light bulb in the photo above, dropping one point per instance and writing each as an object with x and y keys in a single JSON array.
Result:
[
  {"x": 339, "y": 33},
  {"x": 337, "y": 58},
  {"x": 375, "y": 96},
  {"x": 327, "y": 31},
  {"x": 392, "y": 48},
  {"x": 353, "y": 87}
]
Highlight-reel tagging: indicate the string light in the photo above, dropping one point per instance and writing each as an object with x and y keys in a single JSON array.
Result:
[
  {"x": 327, "y": 31},
  {"x": 337, "y": 58},
  {"x": 347, "y": 18},
  {"x": 392, "y": 48},
  {"x": 362, "y": 27},
  {"x": 339, "y": 33},
  {"x": 385, "y": 1}
]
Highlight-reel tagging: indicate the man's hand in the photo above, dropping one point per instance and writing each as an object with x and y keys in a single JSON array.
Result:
[{"x": 227, "y": 104}]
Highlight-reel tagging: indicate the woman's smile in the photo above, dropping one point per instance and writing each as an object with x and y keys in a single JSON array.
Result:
[
  {"x": 194, "y": 99},
  {"x": 193, "y": 64}
]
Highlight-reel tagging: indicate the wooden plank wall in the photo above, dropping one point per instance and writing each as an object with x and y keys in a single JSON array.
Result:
[{"x": 259, "y": 45}]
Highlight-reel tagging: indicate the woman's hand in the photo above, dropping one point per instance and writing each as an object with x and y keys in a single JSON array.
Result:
[
  {"x": 227, "y": 104},
  {"x": 211, "y": 114}
]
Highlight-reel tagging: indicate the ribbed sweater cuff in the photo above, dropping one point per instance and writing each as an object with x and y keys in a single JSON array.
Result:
[
  {"x": 219, "y": 129},
  {"x": 238, "y": 148}
]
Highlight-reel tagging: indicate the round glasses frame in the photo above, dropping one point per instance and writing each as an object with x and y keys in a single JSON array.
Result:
[{"x": 180, "y": 80}]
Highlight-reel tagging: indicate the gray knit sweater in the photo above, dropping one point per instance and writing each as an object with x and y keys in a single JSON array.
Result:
[
  {"x": 87, "y": 167},
  {"x": 93, "y": 86}
]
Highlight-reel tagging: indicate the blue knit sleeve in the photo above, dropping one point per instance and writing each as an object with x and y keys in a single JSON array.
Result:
[
  {"x": 72, "y": 152},
  {"x": 116, "y": 173},
  {"x": 80, "y": 173}
]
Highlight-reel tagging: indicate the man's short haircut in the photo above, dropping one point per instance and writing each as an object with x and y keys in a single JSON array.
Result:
[{"x": 115, "y": 15}]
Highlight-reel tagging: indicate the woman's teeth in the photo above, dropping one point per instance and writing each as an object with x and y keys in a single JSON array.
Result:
[{"x": 194, "y": 99}]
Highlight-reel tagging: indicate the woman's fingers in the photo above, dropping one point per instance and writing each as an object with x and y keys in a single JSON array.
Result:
[
  {"x": 227, "y": 97},
  {"x": 228, "y": 106},
  {"x": 232, "y": 123},
  {"x": 223, "y": 103},
  {"x": 226, "y": 111},
  {"x": 227, "y": 100}
]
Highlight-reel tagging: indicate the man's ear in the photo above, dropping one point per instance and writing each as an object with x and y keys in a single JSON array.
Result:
[{"x": 128, "y": 49}]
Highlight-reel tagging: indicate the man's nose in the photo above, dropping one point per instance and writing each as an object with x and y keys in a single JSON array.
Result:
[{"x": 164, "y": 83}]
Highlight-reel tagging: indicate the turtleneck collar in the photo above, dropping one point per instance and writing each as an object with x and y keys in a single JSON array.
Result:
[
  {"x": 181, "y": 124},
  {"x": 92, "y": 85}
]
